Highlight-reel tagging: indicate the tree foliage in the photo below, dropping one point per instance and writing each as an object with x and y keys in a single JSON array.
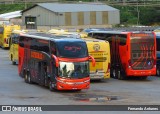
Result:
[
  {"x": 147, "y": 15},
  {"x": 5, "y": 8}
]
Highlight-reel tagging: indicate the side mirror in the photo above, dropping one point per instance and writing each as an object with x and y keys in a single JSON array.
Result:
[
  {"x": 93, "y": 61},
  {"x": 56, "y": 60}
]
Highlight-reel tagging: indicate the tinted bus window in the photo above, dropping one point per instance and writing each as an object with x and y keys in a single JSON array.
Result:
[
  {"x": 52, "y": 48},
  {"x": 15, "y": 38},
  {"x": 72, "y": 50},
  {"x": 123, "y": 39},
  {"x": 21, "y": 41},
  {"x": 158, "y": 44}
]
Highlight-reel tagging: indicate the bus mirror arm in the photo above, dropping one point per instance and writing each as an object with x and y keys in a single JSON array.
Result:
[
  {"x": 56, "y": 60},
  {"x": 93, "y": 61}
]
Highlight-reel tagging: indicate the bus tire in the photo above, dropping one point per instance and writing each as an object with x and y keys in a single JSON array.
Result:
[
  {"x": 114, "y": 75},
  {"x": 120, "y": 75},
  {"x": 50, "y": 86},
  {"x": 45, "y": 79},
  {"x": 158, "y": 71},
  {"x": 26, "y": 77},
  {"x": 29, "y": 78},
  {"x": 13, "y": 63}
]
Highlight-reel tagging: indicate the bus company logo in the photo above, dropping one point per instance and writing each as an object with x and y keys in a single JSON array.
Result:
[
  {"x": 149, "y": 63},
  {"x": 96, "y": 47}
]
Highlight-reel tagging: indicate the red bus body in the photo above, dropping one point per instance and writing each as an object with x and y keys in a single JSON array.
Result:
[
  {"x": 132, "y": 53},
  {"x": 42, "y": 60}
]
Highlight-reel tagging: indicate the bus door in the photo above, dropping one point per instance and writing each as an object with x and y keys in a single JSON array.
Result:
[
  {"x": 54, "y": 72},
  {"x": 53, "y": 63},
  {"x": 42, "y": 69}
]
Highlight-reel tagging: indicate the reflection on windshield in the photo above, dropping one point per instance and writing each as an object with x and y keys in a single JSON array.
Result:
[{"x": 73, "y": 69}]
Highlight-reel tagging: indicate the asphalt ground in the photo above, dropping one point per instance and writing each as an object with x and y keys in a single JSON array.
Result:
[{"x": 14, "y": 91}]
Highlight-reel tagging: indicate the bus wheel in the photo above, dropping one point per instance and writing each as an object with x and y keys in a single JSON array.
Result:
[
  {"x": 120, "y": 75},
  {"x": 158, "y": 71},
  {"x": 13, "y": 63},
  {"x": 50, "y": 86},
  {"x": 114, "y": 74},
  {"x": 29, "y": 78},
  {"x": 26, "y": 77}
]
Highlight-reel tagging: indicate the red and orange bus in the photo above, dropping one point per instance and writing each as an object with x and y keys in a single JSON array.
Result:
[
  {"x": 132, "y": 53},
  {"x": 61, "y": 63}
]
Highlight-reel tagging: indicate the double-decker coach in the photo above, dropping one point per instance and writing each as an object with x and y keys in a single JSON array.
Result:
[
  {"x": 132, "y": 53},
  {"x": 61, "y": 63}
]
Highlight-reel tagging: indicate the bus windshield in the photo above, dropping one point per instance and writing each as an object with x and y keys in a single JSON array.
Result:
[
  {"x": 74, "y": 69},
  {"x": 72, "y": 49}
]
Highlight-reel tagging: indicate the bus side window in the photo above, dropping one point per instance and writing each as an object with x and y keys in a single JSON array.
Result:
[
  {"x": 95, "y": 35},
  {"x": 122, "y": 39},
  {"x": 53, "y": 48},
  {"x": 21, "y": 44},
  {"x": 90, "y": 34},
  {"x": 16, "y": 38}
]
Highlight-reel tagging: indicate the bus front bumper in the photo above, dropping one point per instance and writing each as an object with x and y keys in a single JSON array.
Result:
[
  {"x": 97, "y": 76},
  {"x": 151, "y": 72},
  {"x": 72, "y": 84}
]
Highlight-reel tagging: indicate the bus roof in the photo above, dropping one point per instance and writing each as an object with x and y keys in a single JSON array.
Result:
[
  {"x": 47, "y": 36},
  {"x": 93, "y": 40},
  {"x": 18, "y": 31},
  {"x": 121, "y": 32}
]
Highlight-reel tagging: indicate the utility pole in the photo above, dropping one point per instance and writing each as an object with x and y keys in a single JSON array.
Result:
[
  {"x": 137, "y": 14},
  {"x": 25, "y": 4}
]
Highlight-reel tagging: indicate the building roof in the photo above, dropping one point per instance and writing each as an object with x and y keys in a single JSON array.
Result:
[
  {"x": 59, "y": 7},
  {"x": 11, "y": 15}
]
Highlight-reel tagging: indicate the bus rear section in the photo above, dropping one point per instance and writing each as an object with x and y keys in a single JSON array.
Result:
[
  {"x": 132, "y": 53},
  {"x": 59, "y": 63},
  {"x": 5, "y": 34},
  {"x": 158, "y": 53},
  {"x": 100, "y": 50},
  {"x": 142, "y": 60},
  {"x": 13, "y": 46}
]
